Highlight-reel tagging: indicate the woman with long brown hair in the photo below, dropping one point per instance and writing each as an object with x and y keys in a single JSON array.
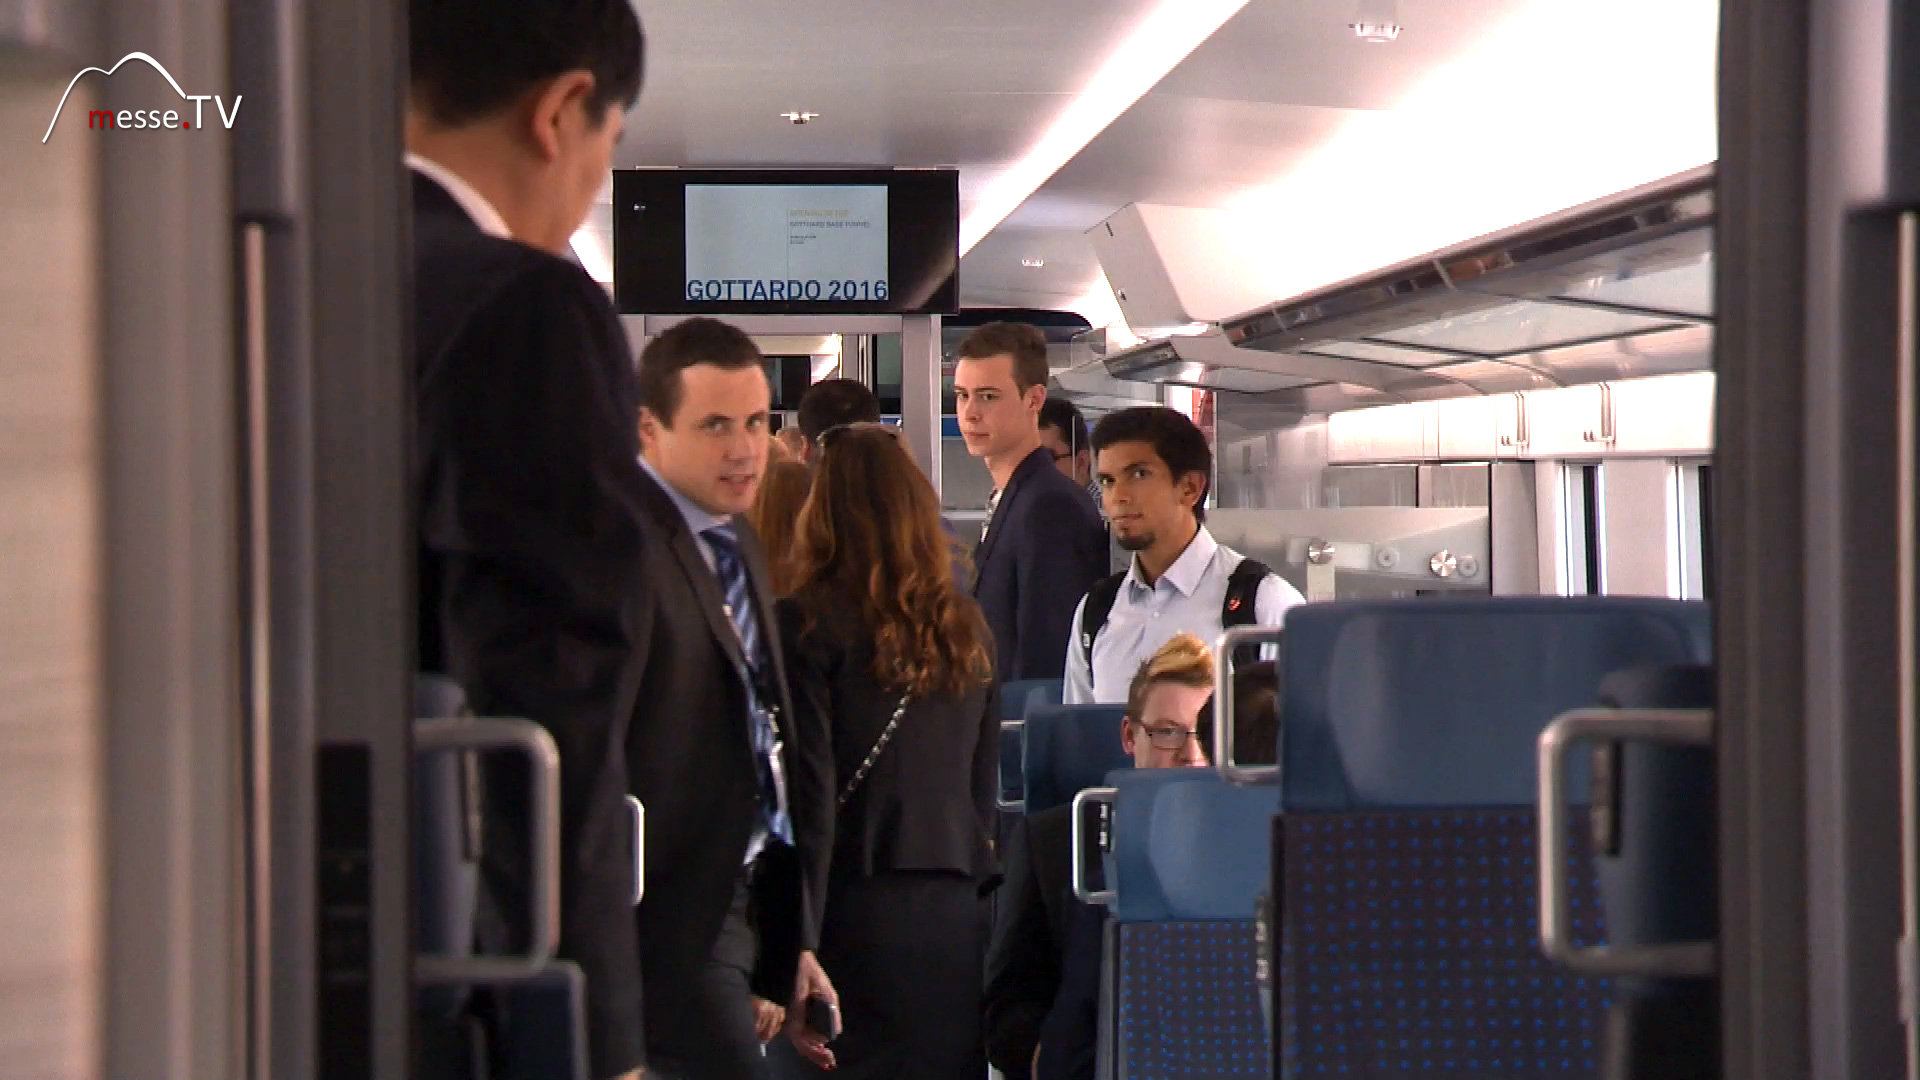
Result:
[
  {"x": 891, "y": 661},
  {"x": 776, "y": 514}
]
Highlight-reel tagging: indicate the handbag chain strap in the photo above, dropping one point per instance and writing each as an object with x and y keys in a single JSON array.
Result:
[{"x": 873, "y": 755}]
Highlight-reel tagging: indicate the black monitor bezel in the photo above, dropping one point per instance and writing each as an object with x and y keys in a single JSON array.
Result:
[{"x": 923, "y": 241}]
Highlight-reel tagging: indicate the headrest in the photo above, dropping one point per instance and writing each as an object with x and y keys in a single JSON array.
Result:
[
  {"x": 1658, "y": 882},
  {"x": 446, "y": 882},
  {"x": 437, "y": 697},
  {"x": 1439, "y": 703},
  {"x": 1015, "y": 696},
  {"x": 1188, "y": 845},
  {"x": 1069, "y": 748}
]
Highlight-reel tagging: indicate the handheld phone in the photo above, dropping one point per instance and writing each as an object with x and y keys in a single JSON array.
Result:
[{"x": 823, "y": 1017}]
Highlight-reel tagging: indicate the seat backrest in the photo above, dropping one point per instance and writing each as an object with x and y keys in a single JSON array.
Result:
[
  {"x": 1016, "y": 695},
  {"x": 1190, "y": 858},
  {"x": 446, "y": 873},
  {"x": 1657, "y": 879},
  {"x": 1405, "y": 878},
  {"x": 1068, "y": 748},
  {"x": 1188, "y": 846},
  {"x": 1438, "y": 703}
]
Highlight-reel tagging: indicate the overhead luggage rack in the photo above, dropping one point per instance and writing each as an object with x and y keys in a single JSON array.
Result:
[{"x": 1619, "y": 288}]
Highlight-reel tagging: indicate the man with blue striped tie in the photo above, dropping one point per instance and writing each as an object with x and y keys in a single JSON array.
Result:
[{"x": 738, "y": 804}]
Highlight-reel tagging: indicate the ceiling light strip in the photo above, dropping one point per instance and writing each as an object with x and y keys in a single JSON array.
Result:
[{"x": 1151, "y": 50}]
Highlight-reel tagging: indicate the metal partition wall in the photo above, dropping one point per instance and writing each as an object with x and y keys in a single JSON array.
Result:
[
  {"x": 174, "y": 898},
  {"x": 1820, "y": 151},
  {"x": 319, "y": 239}
]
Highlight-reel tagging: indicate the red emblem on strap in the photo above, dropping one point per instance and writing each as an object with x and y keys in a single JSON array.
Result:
[{"x": 1233, "y": 604}]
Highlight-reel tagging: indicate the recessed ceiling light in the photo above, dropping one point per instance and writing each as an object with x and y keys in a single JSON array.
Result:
[
  {"x": 1033, "y": 264},
  {"x": 1376, "y": 21},
  {"x": 799, "y": 117}
]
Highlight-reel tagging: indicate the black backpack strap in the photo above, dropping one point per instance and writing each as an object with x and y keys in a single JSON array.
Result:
[
  {"x": 1243, "y": 593},
  {"x": 1093, "y": 614},
  {"x": 1243, "y": 589}
]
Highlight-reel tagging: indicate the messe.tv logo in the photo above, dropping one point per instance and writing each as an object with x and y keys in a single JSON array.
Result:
[{"x": 163, "y": 119}]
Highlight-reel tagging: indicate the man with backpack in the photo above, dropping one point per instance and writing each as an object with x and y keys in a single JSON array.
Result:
[{"x": 1153, "y": 466}]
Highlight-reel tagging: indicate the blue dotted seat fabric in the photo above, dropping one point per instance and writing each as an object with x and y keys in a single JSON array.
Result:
[
  {"x": 1189, "y": 1005},
  {"x": 1409, "y": 947}
]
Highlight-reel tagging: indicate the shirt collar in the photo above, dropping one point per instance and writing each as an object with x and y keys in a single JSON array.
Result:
[
  {"x": 696, "y": 518},
  {"x": 1187, "y": 570},
  {"x": 475, "y": 204}
]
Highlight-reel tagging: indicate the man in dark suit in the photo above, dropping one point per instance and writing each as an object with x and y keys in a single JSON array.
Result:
[
  {"x": 530, "y": 541},
  {"x": 1043, "y": 543},
  {"x": 738, "y": 804}
]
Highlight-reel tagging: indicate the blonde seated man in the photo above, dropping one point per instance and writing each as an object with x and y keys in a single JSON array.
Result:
[{"x": 1167, "y": 720}]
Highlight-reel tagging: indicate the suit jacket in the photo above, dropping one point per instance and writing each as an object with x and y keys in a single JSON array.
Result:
[
  {"x": 1029, "y": 939},
  {"x": 1045, "y": 546},
  {"x": 530, "y": 550},
  {"x": 930, "y": 800},
  {"x": 690, "y": 759},
  {"x": 1069, "y": 1041}
]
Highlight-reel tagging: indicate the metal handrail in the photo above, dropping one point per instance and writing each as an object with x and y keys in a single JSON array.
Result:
[{"x": 1674, "y": 960}]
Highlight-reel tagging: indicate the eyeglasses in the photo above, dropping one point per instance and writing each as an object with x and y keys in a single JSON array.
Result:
[
  {"x": 1169, "y": 737},
  {"x": 834, "y": 432}
]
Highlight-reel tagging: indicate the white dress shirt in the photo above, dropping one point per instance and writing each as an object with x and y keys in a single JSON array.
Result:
[
  {"x": 483, "y": 213},
  {"x": 1188, "y": 598}
]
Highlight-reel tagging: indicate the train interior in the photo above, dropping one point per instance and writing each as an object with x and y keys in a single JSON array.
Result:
[{"x": 1563, "y": 356}]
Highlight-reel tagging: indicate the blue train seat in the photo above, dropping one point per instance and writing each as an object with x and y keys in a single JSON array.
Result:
[
  {"x": 538, "y": 1023},
  {"x": 446, "y": 845},
  {"x": 1068, "y": 748},
  {"x": 1189, "y": 861},
  {"x": 1015, "y": 697},
  {"x": 1657, "y": 879},
  {"x": 1405, "y": 937}
]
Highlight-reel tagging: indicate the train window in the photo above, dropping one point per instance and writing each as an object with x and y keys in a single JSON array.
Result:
[
  {"x": 1696, "y": 530},
  {"x": 1581, "y": 508}
]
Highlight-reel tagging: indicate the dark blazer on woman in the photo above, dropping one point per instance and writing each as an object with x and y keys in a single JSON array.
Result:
[
  {"x": 903, "y": 933},
  {"x": 930, "y": 801}
]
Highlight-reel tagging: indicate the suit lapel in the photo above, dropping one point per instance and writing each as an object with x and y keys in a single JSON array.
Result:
[
  {"x": 1002, "y": 514},
  {"x": 706, "y": 584}
]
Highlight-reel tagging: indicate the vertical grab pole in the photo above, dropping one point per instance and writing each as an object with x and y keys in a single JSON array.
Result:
[{"x": 1907, "y": 472}]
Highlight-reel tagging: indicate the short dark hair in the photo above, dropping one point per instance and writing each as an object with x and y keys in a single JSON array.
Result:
[
  {"x": 1175, "y": 439},
  {"x": 1256, "y": 714},
  {"x": 1026, "y": 345},
  {"x": 473, "y": 58},
  {"x": 833, "y": 402},
  {"x": 1064, "y": 417},
  {"x": 695, "y": 341}
]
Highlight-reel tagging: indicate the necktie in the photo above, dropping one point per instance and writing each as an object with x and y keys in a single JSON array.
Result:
[
  {"x": 993, "y": 503},
  {"x": 732, "y": 571}
]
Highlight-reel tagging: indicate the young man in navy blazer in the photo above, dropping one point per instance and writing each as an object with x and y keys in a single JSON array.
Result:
[{"x": 1043, "y": 543}]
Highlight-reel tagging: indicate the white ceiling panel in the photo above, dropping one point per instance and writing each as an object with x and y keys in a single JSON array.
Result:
[
  {"x": 1302, "y": 52},
  {"x": 915, "y": 82}
]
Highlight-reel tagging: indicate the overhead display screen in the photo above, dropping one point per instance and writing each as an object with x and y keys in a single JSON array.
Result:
[
  {"x": 777, "y": 242},
  {"x": 715, "y": 241}
]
